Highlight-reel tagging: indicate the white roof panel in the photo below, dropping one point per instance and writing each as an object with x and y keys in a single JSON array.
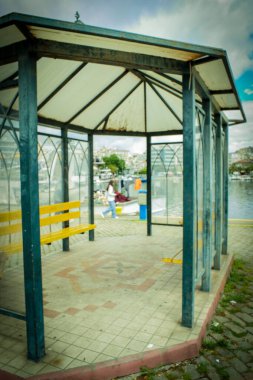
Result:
[
  {"x": 220, "y": 80},
  {"x": 109, "y": 43},
  {"x": 105, "y": 94}
]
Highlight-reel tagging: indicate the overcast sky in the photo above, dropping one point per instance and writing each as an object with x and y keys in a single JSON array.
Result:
[{"x": 226, "y": 24}]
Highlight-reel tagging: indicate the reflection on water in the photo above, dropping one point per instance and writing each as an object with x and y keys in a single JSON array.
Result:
[
  {"x": 240, "y": 197},
  {"x": 240, "y": 200}
]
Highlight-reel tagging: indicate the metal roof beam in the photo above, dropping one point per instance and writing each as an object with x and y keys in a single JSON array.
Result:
[
  {"x": 129, "y": 60},
  {"x": 7, "y": 84},
  {"x": 200, "y": 61},
  {"x": 169, "y": 88},
  {"x": 107, "y": 33},
  {"x": 230, "y": 109},
  {"x": 62, "y": 50},
  {"x": 221, "y": 92},
  {"x": 10, "y": 53}
]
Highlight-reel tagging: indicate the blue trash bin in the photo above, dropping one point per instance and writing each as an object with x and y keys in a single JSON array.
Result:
[{"x": 142, "y": 198}]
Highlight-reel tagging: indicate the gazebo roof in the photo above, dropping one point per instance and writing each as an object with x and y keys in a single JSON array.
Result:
[{"x": 107, "y": 81}]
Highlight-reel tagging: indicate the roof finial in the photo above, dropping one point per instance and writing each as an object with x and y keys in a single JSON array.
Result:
[{"x": 77, "y": 16}]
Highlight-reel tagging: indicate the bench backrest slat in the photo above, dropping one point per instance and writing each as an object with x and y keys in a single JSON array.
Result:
[
  {"x": 59, "y": 218},
  {"x": 17, "y": 227},
  {"x": 10, "y": 215},
  {"x": 61, "y": 208}
]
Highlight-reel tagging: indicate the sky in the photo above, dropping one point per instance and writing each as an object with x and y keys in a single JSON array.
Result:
[{"x": 226, "y": 24}]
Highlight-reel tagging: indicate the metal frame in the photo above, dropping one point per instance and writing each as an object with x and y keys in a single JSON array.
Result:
[
  {"x": 207, "y": 225},
  {"x": 30, "y": 206},
  {"x": 218, "y": 193},
  {"x": 189, "y": 196},
  {"x": 26, "y": 53}
]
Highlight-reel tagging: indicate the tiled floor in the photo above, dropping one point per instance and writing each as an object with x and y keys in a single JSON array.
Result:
[{"x": 104, "y": 300}]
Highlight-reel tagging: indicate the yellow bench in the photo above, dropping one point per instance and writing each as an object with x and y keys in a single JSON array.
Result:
[{"x": 62, "y": 212}]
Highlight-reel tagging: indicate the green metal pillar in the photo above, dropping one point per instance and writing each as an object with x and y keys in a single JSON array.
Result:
[
  {"x": 218, "y": 192},
  {"x": 207, "y": 233},
  {"x": 65, "y": 181},
  {"x": 91, "y": 186},
  {"x": 189, "y": 200},
  {"x": 30, "y": 205},
  {"x": 225, "y": 192},
  {"x": 149, "y": 195}
]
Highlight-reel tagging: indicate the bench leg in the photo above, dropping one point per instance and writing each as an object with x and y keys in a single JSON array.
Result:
[
  {"x": 91, "y": 235},
  {"x": 65, "y": 244}
]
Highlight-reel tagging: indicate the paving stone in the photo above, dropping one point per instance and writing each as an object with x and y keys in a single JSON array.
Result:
[
  {"x": 250, "y": 330},
  {"x": 236, "y": 330},
  {"x": 246, "y": 310},
  {"x": 238, "y": 365},
  {"x": 249, "y": 338},
  {"x": 221, "y": 319},
  {"x": 237, "y": 319},
  {"x": 191, "y": 370},
  {"x": 248, "y": 376},
  {"x": 245, "y": 357},
  {"x": 223, "y": 352},
  {"x": 245, "y": 317},
  {"x": 233, "y": 374},
  {"x": 212, "y": 375},
  {"x": 217, "y": 361},
  {"x": 235, "y": 341},
  {"x": 245, "y": 345}
]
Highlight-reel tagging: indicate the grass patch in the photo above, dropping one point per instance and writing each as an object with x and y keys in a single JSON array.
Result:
[
  {"x": 223, "y": 343},
  {"x": 186, "y": 376},
  {"x": 209, "y": 344},
  {"x": 224, "y": 375},
  {"x": 148, "y": 373},
  {"x": 216, "y": 328},
  {"x": 202, "y": 368}
]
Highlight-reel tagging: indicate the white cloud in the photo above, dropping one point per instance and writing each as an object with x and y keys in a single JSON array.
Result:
[
  {"x": 225, "y": 24},
  {"x": 241, "y": 135},
  {"x": 248, "y": 91},
  {"x": 132, "y": 144}
]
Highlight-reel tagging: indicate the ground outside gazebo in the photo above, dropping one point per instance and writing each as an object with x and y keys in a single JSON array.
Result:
[{"x": 105, "y": 300}]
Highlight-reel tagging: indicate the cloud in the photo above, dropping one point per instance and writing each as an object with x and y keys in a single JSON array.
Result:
[
  {"x": 110, "y": 13},
  {"x": 248, "y": 91},
  {"x": 225, "y": 24},
  {"x": 132, "y": 144},
  {"x": 241, "y": 135}
]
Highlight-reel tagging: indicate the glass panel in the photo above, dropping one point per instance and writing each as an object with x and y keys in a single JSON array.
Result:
[
  {"x": 11, "y": 257},
  {"x": 199, "y": 193},
  {"x": 167, "y": 183},
  {"x": 78, "y": 175},
  {"x": 50, "y": 170},
  {"x": 213, "y": 188}
]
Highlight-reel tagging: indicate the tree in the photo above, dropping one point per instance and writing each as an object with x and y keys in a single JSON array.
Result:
[
  {"x": 143, "y": 171},
  {"x": 115, "y": 163}
]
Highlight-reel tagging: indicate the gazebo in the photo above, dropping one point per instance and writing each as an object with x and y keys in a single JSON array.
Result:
[{"x": 77, "y": 78}]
